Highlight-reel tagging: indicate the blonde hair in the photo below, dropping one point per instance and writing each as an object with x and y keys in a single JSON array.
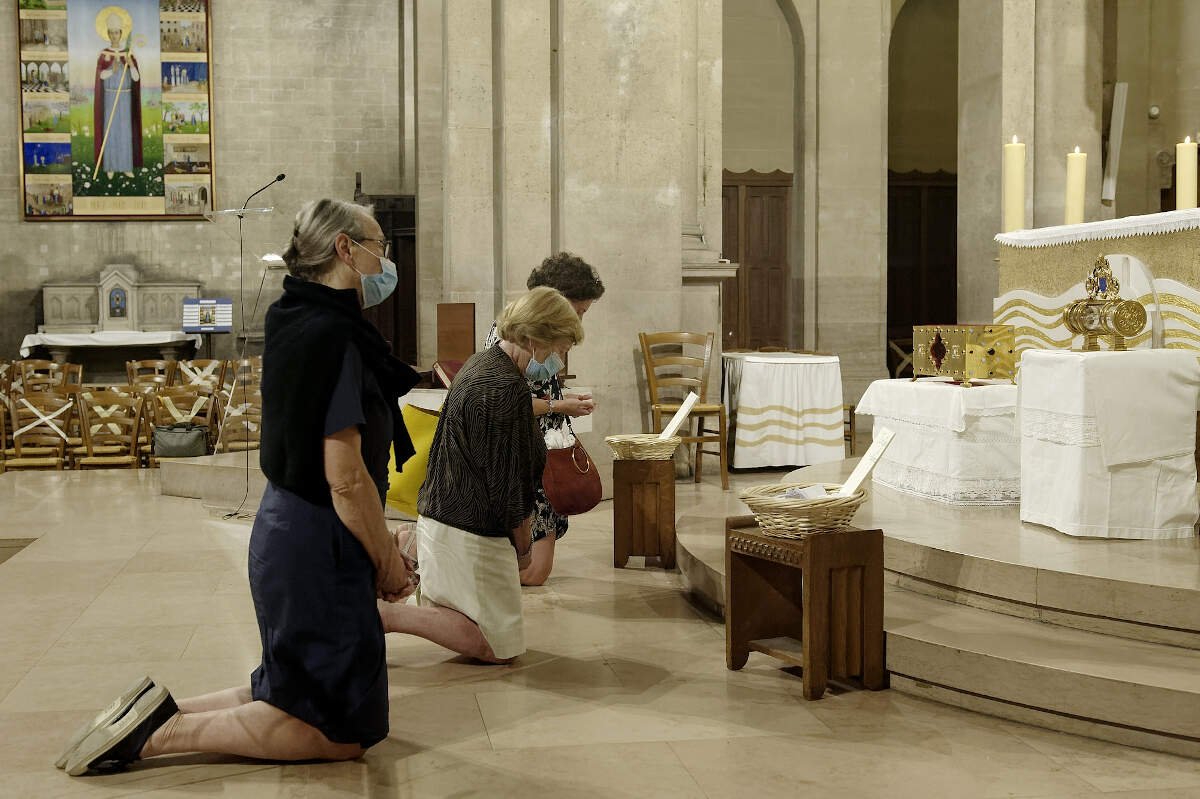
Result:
[
  {"x": 543, "y": 315},
  {"x": 311, "y": 251}
]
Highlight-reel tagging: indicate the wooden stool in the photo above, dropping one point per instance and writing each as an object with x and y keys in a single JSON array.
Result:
[
  {"x": 644, "y": 511},
  {"x": 814, "y": 602}
]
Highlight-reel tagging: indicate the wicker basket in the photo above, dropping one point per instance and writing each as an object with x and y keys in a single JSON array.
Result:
[
  {"x": 784, "y": 517},
  {"x": 642, "y": 447}
]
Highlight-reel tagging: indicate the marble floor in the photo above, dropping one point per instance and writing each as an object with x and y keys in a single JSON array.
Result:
[{"x": 623, "y": 692}]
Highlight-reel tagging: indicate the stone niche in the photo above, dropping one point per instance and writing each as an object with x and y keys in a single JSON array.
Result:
[{"x": 117, "y": 300}]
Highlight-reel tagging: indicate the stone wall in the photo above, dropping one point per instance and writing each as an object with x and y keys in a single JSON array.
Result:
[
  {"x": 759, "y": 70},
  {"x": 308, "y": 88}
]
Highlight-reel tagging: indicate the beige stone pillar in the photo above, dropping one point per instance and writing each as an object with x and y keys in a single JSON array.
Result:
[
  {"x": 996, "y": 94},
  {"x": 700, "y": 174},
  {"x": 852, "y": 42},
  {"x": 1069, "y": 96},
  {"x": 619, "y": 198},
  {"x": 429, "y": 87},
  {"x": 468, "y": 221},
  {"x": 522, "y": 67}
]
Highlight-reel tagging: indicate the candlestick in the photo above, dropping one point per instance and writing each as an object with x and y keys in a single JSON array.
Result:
[
  {"x": 1185, "y": 174},
  {"x": 1076, "y": 186},
  {"x": 1014, "y": 186}
]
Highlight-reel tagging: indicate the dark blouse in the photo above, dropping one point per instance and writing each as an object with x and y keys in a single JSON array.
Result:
[
  {"x": 358, "y": 401},
  {"x": 487, "y": 455}
]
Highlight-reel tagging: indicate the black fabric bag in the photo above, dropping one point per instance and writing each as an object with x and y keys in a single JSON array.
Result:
[{"x": 180, "y": 440}]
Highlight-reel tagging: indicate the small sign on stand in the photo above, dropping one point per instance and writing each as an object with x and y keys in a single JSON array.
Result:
[{"x": 205, "y": 316}]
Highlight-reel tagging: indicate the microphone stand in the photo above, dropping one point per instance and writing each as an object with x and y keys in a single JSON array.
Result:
[{"x": 241, "y": 214}]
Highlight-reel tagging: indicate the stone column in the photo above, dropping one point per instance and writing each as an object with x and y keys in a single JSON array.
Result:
[
  {"x": 1069, "y": 95},
  {"x": 996, "y": 92},
  {"x": 852, "y": 42},
  {"x": 619, "y": 136},
  {"x": 430, "y": 88},
  {"x": 700, "y": 175},
  {"x": 523, "y": 142},
  {"x": 468, "y": 212}
]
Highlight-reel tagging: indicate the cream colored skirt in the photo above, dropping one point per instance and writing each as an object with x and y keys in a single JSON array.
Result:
[{"x": 478, "y": 577}]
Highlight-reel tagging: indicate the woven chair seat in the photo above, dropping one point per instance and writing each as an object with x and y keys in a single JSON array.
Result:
[
  {"x": 31, "y": 463},
  {"x": 107, "y": 460},
  {"x": 697, "y": 409}
]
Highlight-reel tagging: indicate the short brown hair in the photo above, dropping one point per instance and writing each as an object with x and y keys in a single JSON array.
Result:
[
  {"x": 574, "y": 277},
  {"x": 543, "y": 315}
]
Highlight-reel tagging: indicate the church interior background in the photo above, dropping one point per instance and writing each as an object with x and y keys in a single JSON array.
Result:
[{"x": 804, "y": 175}]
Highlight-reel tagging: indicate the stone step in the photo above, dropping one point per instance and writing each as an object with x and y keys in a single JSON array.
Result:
[
  {"x": 224, "y": 481},
  {"x": 1131, "y": 692}
]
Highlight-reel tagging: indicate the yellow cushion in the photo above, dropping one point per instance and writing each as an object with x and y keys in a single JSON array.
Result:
[{"x": 403, "y": 486}]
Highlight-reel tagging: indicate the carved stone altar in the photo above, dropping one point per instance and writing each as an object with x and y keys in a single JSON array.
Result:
[{"x": 117, "y": 300}]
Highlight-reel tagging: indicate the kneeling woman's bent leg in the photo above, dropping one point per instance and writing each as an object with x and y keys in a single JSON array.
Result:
[
  {"x": 254, "y": 729},
  {"x": 441, "y": 625}
]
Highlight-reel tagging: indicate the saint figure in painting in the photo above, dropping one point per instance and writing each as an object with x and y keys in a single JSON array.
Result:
[{"x": 118, "y": 105}]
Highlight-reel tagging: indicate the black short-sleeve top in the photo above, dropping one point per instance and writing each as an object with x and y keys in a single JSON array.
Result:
[{"x": 358, "y": 401}]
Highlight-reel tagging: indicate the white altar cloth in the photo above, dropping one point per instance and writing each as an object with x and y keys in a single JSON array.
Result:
[
  {"x": 953, "y": 444},
  {"x": 784, "y": 409},
  {"x": 1108, "y": 442},
  {"x": 108, "y": 338}
]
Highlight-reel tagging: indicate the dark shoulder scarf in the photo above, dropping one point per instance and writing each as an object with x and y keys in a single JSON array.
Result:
[{"x": 307, "y": 332}]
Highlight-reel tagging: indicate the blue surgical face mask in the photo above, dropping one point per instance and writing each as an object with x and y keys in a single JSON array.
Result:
[
  {"x": 541, "y": 371},
  {"x": 378, "y": 287}
]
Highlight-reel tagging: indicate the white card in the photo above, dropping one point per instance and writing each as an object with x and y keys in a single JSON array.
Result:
[
  {"x": 807, "y": 492},
  {"x": 883, "y": 437},
  {"x": 680, "y": 416}
]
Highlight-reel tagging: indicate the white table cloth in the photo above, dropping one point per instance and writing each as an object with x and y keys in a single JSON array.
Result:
[
  {"x": 108, "y": 338},
  {"x": 953, "y": 444},
  {"x": 1108, "y": 442},
  {"x": 784, "y": 409}
]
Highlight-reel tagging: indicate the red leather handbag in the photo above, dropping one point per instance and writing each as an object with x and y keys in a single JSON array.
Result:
[{"x": 571, "y": 480}]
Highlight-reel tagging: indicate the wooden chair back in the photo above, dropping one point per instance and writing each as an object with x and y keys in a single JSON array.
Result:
[
  {"x": 241, "y": 417},
  {"x": 150, "y": 375},
  {"x": 41, "y": 421},
  {"x": 675, "y": 351},
  {"x": 35, "y": 374},
  {"x": 111, "y": 426},
  {"x": 182, "y": 404},
  {"x": 203, "y": 373}
]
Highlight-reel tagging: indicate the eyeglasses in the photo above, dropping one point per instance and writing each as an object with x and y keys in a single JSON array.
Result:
[{"x": 384, "y": 243}]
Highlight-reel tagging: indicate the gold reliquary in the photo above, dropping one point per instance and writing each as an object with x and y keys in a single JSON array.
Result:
[
  {"x": 964, "y": 352},
  {"x": 1103, "y": 313}
]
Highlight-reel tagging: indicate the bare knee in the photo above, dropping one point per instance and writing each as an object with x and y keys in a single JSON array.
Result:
[{"x": 534, "y": 576}]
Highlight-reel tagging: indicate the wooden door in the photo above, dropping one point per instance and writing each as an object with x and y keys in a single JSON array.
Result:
[
  {"x": 922, "y": 251},
  {"x": 396, "y": 317},
  {"x": 756, "y": 220}
]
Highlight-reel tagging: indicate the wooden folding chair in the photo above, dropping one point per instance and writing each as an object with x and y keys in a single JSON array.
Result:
[
  {"x": 201, "y": 373},
  {"x": 111, "y": 422},
  {"x": 686, "y": 373},
  {"x": 241, "y": 417}
]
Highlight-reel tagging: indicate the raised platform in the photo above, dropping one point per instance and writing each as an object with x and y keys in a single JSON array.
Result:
[{"x": 1094, "y": 637}]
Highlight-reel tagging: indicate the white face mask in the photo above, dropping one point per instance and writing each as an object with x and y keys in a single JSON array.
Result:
[{"x": 541, "y": 371}]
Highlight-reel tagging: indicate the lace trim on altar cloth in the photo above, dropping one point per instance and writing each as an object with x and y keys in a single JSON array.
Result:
[
  {"x": 948, "y": 489},
  {"x": 1060, "y": 428},
  {"x": 1144, "y": 225},
  {"x": 968, "y": 436}
]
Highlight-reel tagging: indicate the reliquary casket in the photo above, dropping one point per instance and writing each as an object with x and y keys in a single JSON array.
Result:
[{"x": 964, "y": 352}]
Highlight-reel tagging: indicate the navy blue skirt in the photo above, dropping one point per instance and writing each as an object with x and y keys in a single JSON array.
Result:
[{"x": 322, "y": 639}]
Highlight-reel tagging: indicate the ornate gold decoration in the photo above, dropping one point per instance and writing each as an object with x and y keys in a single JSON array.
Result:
[
  {"x": 965, "y": 352},
  {"x": 1104, "y": 313}
]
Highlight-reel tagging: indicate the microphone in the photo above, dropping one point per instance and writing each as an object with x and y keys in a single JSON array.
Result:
[{"x": 278, "y": 178}]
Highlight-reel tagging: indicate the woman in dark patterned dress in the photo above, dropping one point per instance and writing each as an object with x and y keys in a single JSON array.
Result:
[
  {"x": 473, "y": 528},
  {"x": 576, "y": 280}
]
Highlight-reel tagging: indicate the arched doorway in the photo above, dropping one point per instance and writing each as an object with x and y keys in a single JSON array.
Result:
[{"x": 922, "y": 257}]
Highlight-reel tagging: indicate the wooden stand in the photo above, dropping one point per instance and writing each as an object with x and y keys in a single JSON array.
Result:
[
  {"x": 814, "y": 602},
  {"x": 644, "y": 511}
]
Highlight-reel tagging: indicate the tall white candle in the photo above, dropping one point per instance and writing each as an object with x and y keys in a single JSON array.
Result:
[
  {"x": 1185, "y": 174},
  {"x": 1076, "y": 185},
  {"x": 1014, "y": 185}
]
